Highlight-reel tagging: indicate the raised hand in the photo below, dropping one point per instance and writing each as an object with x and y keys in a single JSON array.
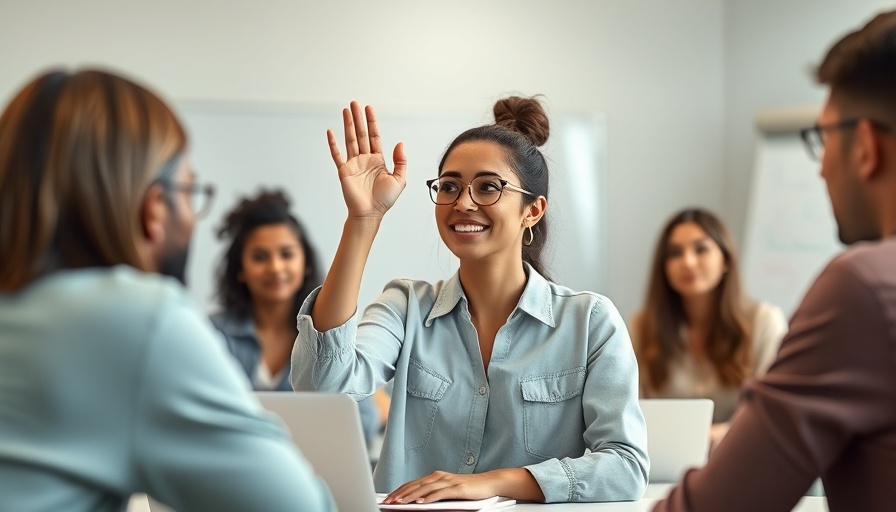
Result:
[{"x": 369, "y": 189}]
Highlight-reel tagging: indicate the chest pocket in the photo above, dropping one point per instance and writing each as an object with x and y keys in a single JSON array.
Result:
[
  {"x": 425, "y": 391},
  {"x": 552, "y": 408}
]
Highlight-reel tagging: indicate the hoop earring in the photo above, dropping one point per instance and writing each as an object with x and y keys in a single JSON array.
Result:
[{"x": 531, "y": 237}]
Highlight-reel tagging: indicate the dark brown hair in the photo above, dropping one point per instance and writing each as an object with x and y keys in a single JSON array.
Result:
[
  {"x": 266, "y": 209},
  {"x": 660, "y": 322},
  {"x": 860, "y": 68},
  {"x": 77, "y": 153},
  {"x": 521, "y": 126}
]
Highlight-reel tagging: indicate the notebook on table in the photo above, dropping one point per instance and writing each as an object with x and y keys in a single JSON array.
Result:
[{"x": 677, "y": 435}]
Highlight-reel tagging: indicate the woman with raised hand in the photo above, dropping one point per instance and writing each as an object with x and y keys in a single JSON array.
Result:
[
  {"x": 698, "y": 335},
  {"x": 268, "y": 270},
  {"x": 502, "y": 378}
]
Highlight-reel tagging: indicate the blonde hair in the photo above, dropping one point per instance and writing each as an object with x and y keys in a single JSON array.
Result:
[{"x": 77, "y": 153}]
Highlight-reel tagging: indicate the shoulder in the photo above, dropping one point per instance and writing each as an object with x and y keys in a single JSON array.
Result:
[
  {"x": 765, "y": 313},
  {"x": 118, "y": 295},
  {"x": 594, "y": 302},
  {"x": 232, "y": 326}
]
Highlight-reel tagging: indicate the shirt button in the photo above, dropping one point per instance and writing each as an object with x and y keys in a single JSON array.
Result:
[
  {"x": 482, "y": 390},
  {"x": 470, "y": 460}
]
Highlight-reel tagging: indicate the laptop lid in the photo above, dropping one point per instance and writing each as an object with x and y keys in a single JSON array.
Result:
[
  {"x": 677, "y": 435},
  {"x": 326, "y": 427}
]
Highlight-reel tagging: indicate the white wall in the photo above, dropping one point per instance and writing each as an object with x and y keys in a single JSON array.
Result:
[
  {"x": 654, "y": 67},
  {"x": 771, "y": 47}
]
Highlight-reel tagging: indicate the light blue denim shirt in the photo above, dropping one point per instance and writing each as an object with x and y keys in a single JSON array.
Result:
[
  {"x": 562, "y": 379},
  {"x": 112, "y": 382}
]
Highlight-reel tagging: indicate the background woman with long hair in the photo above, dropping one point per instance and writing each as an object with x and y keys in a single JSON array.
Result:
[{"x": 698, "y": 335}]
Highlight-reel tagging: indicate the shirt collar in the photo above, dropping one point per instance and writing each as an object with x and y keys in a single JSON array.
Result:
[{"x": 535, "y": 301}]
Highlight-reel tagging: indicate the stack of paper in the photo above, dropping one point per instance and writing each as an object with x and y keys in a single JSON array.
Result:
[{"x": 493, "y": 503}]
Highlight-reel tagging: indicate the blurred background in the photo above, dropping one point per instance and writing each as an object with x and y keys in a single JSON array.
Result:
[{"x": 674, "y": 85}]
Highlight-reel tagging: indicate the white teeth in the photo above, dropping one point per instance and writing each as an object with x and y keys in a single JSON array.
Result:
[{"x": 468, "y": 228}]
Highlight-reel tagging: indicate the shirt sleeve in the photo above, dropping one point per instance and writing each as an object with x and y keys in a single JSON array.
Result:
[
  {"x": 793, "y": 423},
  {"x": 202, "y": 441},
  {"x": 616, "y": 467},
  {"x": 354, "y": 358}
]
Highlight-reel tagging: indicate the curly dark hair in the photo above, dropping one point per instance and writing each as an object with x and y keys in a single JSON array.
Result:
[{"x": 267, "y": 208}]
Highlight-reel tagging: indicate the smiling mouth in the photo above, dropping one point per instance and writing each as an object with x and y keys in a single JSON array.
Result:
[{"x": 469, "y": 228}]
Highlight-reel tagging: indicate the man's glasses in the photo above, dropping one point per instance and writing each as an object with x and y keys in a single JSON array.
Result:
[
  {"x": 814, "y": 137},
  {"x": 200, "y": 195},
  {"x": 484, "y": 190}
]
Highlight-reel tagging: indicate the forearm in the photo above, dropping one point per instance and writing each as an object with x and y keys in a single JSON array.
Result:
[{"x": 338, "y": 297}]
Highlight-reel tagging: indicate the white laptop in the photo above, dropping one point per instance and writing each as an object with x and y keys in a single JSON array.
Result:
[
  {"x": 677, "y": 435},
  {"x": 327, "y": 429}
]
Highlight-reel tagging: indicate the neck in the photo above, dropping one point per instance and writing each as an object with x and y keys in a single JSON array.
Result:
[
  {"x": 493, "y": 290},
  {"x": 272, "y": 315},
  {"x": 698, "y": 310}
]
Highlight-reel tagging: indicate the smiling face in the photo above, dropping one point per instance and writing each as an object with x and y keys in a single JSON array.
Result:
[
  {"x": 273, "y": 264},
  {"x": 695, "y": 264},
  {"x": 472, "y": 231}
]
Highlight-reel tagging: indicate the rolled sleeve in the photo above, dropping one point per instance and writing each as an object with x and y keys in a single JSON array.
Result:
[{"x": 356, "y": 357}]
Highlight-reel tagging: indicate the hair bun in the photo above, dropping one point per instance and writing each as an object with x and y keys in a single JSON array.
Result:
[{"x": 525, "y": 116}]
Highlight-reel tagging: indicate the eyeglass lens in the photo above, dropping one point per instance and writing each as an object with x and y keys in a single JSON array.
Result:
[{"x": 485, "y": 190}]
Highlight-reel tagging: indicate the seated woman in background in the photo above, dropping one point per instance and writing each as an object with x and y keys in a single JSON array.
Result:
[
  {"x": 268, "y": 270},
  {"x": 698, "y": 336}
]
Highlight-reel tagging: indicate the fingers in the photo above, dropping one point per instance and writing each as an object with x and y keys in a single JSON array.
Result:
[
  {"x": 376, "y": 145},
  {"x": 360, "y": 128},
  {"x": 400, "y": 161},
  {"x": 425, "y": 489},
  {"x": 351, "y": 143},
  {"x": 334, "y": 149}
]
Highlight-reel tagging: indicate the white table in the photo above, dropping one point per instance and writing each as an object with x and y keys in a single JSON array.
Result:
[{"x": 654, "y": 493}]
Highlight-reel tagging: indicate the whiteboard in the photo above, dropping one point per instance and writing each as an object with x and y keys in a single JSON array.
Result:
[
  {"x": 790, "y": 231},
  {"x": 241, "y": 148}
]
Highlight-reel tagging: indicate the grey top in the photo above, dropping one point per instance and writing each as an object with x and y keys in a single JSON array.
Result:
[
  {"x": 112, "y": 382},
  {"x": 562, "y": 378},
  {"x": 826, "y": 407}
]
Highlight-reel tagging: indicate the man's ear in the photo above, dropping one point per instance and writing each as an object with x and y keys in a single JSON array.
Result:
[
  {"x": 154, "y": 214},
  {"x": 866, "y": 150},
  {"x": 535, "y": 211}
]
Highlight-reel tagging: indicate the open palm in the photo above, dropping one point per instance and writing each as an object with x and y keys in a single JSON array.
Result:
[{"x": 369, "y": 189}]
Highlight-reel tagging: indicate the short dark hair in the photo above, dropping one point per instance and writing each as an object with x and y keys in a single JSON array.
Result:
[
  {"x": 860, "y": 68},
  {"x": 266, "y": 209},
  {"x": 521, "y": 126}
]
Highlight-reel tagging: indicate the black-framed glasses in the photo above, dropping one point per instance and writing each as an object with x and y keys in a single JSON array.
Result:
[
  {"x": 200, "y": 195},
  {"x": 814, "y": 136},
  {"x": 485, "y": 190}
]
